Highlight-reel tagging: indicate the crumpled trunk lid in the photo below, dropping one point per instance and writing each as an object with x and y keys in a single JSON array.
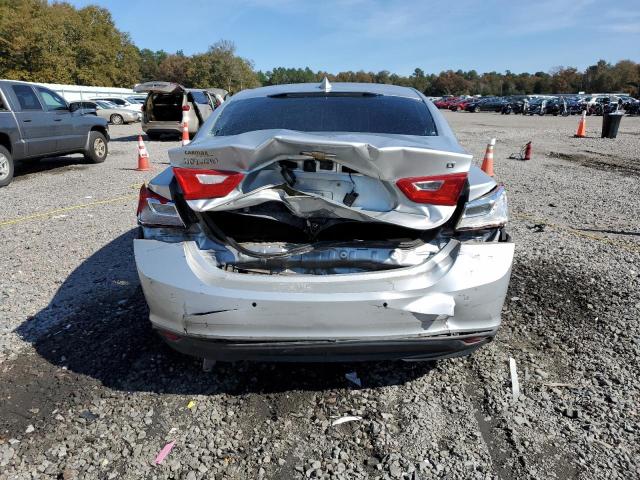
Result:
[
  {"x": 343, "y": 163},
  {"x": 387, "y": 157}
]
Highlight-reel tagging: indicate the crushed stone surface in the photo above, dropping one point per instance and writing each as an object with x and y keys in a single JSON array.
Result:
[{"x": 87, "y": 391}]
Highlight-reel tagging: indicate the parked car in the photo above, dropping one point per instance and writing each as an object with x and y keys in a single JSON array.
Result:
[
  {"x": 167, "y": 102},
  {"x": 632, "y": 108},
  {"x": 84, "y": 108},
  {"x": 488, "y": 104},
  {"x": 109, "y": 111},
  {"x": 116, "y": 115},
  {"x": 536, "y": 106},
  {"x": 139, "y": 99},
  {"x": 574, "y": 105},
  {"x": 36, "y": 122},
  {"x": 445, "y": 101},
  {"x": 324, "y": 222},
  {"x": 460, "y": 104},
  {"x": 599, "y": 104},
  {"x": 121, "y": 103}
]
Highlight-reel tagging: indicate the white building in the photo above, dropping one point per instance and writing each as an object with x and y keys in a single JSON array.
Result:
[{"x": 75, "y": 93}]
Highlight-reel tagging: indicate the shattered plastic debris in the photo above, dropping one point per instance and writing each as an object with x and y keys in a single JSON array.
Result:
[
  {"x": 353, "y": 378},
  {"x": 164, "y": 452},
  {"x": 191, "y": 404},
  {"x": 346, "y": 419},
  {"x": 515, "y": 384}
]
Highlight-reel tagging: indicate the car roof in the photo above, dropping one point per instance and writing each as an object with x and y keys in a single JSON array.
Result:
[
  {"x": 337, "y": 87},
  {"x": 5, "y": 81}
]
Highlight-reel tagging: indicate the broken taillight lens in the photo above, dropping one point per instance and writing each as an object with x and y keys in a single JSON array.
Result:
[
  {"x": 155, "y": 210},
  {"x": 488, "y": 211},
  {"x": 197, "y": 183},
  {"x": 435, "y": 190}
]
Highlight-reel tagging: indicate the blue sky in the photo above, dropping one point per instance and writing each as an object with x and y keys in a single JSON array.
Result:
[{"x": 396, "y": 35}]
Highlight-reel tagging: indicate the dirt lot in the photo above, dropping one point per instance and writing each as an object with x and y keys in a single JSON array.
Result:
[{"x": 87, "y": 392}]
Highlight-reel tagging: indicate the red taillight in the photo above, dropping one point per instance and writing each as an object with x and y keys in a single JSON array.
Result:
[
  {"x": 172, "y": 337},
  {"x": 145, "y": 194},
  {"x": 472, "y": 340},
  {"x": 186, "y": 108},
  {"x": 436, "y": 190},
  {"x": 196, "y": 183}
]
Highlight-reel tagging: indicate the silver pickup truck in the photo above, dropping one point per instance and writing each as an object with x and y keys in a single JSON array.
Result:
[{"x": 36, "y": 122}]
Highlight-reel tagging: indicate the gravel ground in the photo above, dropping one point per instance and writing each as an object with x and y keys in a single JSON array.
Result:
[{"x": 87, "y": 392}]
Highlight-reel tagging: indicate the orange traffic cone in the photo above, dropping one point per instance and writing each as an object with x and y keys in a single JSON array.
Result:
[
  {"x": 582, "y": 126},
  {"x": 527, "y": 151},
  {"x": 185, "y": 133},
  {"x": 143, "y": 156},
  {"x": 487, "y": 162}
]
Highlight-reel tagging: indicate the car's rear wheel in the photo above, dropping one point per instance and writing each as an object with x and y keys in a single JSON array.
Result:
[
  {"x": 6, "y": 167},
  {"x": 98, "y": 148},
  {"x": 116, "y": 119},
  {"x": 476, "y": 109}
]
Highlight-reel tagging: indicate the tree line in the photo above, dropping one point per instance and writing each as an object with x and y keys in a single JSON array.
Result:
[
  {"x": 58, "y": 43},
  {"x": 624, "y": 76}
]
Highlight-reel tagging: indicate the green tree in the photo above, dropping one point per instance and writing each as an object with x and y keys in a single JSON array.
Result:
[
  {"x": 150, "y": 64},
  {"x": 175, "y": 68},
  {"x": 58, "y": 43},
  {"x": 221, "y": 67}
]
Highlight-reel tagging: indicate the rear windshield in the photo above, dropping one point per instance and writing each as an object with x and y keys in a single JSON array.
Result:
[{"x": 327, "y": 113}]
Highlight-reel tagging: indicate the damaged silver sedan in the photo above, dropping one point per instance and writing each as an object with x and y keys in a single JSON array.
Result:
[{"x": 324, "y": 223}]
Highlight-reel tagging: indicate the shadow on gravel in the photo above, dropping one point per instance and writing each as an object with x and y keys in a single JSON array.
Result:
[
  {"x": 102, "y": 332},
  {"x": 128, "y": 138},
  {"x": 54, "y": 165}
]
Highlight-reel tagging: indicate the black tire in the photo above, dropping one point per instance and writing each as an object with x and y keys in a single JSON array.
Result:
[
  {"x": 6, "y": 167},
  {"x": 476, "y": 109},
  {"x": 98, "y": 148},
  {"x": 116, "y": 119}
]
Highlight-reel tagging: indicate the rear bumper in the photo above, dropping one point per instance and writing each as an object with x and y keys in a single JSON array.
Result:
[
  {"x": 328, "y": 351},
  {"x": 168, "y": 128},
  {"x": 424, "y": 311}
]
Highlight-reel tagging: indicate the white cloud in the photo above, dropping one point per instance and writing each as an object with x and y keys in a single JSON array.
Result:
[
  {"x": 632, "y": 28},
  {"x": 422, "y": 19}
]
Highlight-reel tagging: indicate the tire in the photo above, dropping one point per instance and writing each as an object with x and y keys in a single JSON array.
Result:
[
  {"x": 476, "y": 109},
  {"x": 98, "y": 148},
  {"x": 116, "y": 119},
  {"x": 6, "y": 167}
]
